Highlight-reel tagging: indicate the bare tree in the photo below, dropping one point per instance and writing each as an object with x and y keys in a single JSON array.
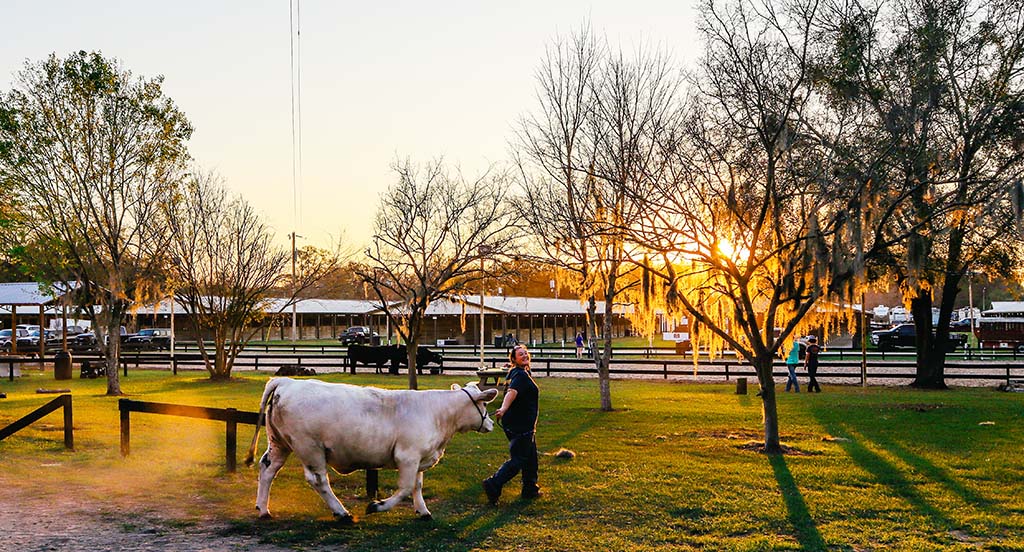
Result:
[
  {"x": 229, "y": 272},
  {"x": 593, "y": 138},
  {"x": 94, "y": 154},
  {"x": 431, "y": 232}
]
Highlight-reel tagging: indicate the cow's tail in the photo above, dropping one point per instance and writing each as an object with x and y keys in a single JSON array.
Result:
[{"x": 264, "y": 413}]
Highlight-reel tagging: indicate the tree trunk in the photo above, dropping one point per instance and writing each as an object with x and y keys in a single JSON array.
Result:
[
  {"x": 769, "y": 409},
  {"x": 410, "y": 354},
  {"x": 112, "y": 349},
  {"x": 220, "y": 357},
  {"x": 931, "y": 355},
  {"x": 600, "y": 358},
  {"x": 604, "y": 358}
]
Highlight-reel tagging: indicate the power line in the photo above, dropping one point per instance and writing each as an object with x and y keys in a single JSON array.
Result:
[
  {"x": 295, "y": 69},
  {"x": 298, "y": 105}
]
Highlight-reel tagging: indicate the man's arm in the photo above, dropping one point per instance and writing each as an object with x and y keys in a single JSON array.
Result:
[{"x": 510, "y": 395}]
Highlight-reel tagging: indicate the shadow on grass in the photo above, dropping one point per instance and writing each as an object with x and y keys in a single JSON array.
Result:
[
  {"x": 466, "y": 529},
  {"x": 887, "y": 474},
  {"x": 796, "y": 508},
  {"x": 937, "y": 474}
]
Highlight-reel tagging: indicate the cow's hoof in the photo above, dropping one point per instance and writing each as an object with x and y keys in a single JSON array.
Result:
[
  {"x": 374, "y": 507},
  {"x": 346, "y": 519},
  {"x": 426, "y": 517},
  {"x": 266, "y": 515}
]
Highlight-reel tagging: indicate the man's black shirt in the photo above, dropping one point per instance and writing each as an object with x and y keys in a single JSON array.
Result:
[{"x": 522, "y": 414}]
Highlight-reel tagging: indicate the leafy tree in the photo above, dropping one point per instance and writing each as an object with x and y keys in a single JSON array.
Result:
[
  {"x": 764, "y": 219},
  {"x": 942, "y": 81},
  {"x": 93, "y": 154}
]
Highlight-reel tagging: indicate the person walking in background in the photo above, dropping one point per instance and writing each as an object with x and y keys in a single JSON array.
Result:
[
  {"x": 518, "y": 417},
  {"x": 811, "y": 363},
  {"x": 579, "y": 345},
  {"x": 792, "y": 361}
]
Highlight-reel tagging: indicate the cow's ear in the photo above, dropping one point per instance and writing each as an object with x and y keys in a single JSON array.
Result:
[
  {"x": 489, "y": 395},
  {"x": 455, "y": 387}
]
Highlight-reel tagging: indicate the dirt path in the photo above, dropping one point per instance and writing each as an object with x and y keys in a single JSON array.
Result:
[{"x": 32, "y": 524}]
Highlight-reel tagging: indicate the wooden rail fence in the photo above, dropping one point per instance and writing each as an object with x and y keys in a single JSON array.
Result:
[
  {"x": 961, "y": 365},
  {"x": 63, "y": 401}
]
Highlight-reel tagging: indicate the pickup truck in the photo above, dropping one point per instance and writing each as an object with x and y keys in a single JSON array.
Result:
[
  {"x": 88, "y": 342},
  {"x": 150, "y": 339},
  {"x": 905, "y": 335}
]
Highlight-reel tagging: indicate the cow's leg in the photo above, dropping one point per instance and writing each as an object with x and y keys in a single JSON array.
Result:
[
  {"x": 316, "y": 476},
  {"x": 417, "y": 498},
  {"x": 407, "y": 471},
  {"x": 270, "y": 464}
]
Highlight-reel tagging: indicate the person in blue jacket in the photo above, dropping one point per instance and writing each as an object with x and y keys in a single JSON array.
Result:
[
  {"x": 518, "y": 415},
  {"x": 792, "y": 361}
]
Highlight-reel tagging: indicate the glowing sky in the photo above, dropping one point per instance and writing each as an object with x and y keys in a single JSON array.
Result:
[{"x": 380, "y": 80}]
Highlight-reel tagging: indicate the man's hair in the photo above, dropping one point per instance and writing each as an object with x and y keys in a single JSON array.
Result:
[{"x": 512, "y": 353}]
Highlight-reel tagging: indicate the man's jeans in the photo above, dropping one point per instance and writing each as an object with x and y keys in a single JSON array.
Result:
[
  {"x": 792, "y": 382},
  {"x": 522, "y": 450}
]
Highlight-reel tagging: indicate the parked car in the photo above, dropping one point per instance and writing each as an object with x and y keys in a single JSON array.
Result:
[
  {"x": 905, "y": 335},
  {"x": 357, "y": 334},
  {"x": 30, "y": 343},
  {"x": 153, "y": 339},
  {"x": 87, "y": 341},
  {"x": 5, "y": 339},
  {"x": 72, "y": 330},
  {"x": 962, "y": 325}
]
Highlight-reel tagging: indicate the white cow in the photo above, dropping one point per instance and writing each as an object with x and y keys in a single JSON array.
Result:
[{"x": 350, "y": 428}]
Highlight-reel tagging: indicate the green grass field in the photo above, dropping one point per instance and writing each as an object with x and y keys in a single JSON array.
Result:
[{"x": 880, "y": 469}]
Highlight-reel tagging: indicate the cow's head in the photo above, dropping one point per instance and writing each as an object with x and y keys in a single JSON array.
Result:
[{"x": 475, "y": 412}]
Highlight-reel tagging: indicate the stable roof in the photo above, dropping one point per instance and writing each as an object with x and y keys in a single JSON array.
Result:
[
  {"x": 303, "y": 306},
  {"x": 25, "y": 294},
  {"x": 29, "y": 294},
  {"x": 1003, "y": 309}
]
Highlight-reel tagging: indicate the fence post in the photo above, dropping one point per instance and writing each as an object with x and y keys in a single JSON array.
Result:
[
  {"x": 231, "y": 439},
  {"x": 664, "y": 369},
  {"x": 727, "y": 372},
  {"x": 257, "y": 363},
  {"x": 371, "y": 484},
  {"x": 69, "y": 426},
  {"x": 122, "y": 405},
  {"x": 174, "y": 364}
]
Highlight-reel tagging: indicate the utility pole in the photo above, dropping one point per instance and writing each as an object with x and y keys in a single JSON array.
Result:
[
  {"x": 484, "y": 250},
  {"x": 863, "y": 340},
  {"x": 970, "y": 298},
  {"x": 295, "y": 325}
]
